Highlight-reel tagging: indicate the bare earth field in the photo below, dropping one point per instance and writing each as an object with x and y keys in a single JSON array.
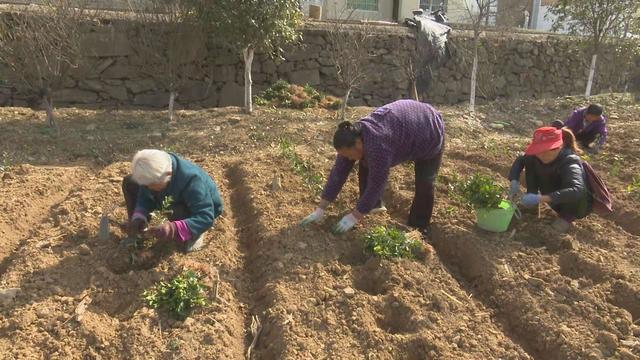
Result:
[{"x": 523, "y": 294}]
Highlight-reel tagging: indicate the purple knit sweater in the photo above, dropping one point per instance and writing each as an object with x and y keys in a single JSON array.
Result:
[
  {"x": 577, "y": 124},
  {"x": 394, "y": 133}
]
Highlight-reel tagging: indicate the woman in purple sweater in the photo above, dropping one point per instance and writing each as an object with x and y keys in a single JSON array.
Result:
[
  {"x": 588, "y": 124},
  {"x": 405, "y": 130}
]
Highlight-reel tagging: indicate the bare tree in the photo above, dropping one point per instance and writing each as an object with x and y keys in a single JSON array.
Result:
[
  {"x": 599, "y": 20},
  {"x": 170, "y": 42},
  {"x": 478, "y": 11},
  {"x": 40, "y": 47},
  {"x": 349, "y": 46},
  {"x": 409, "y": 64}
]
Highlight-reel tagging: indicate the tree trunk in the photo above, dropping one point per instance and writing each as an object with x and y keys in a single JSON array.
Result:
[
  {"x": 414, "y": 90},
  {"x": 592, "y": 72},
  {"x": 172, "y": 99},
  {"x": 474, "y": 76},
  {"x": 48, "y": 105},
  {"x": 248, "y": 60},
  {"x": 345, "y": 100}
]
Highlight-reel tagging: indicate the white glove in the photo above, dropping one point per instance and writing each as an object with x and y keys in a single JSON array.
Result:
[
  {"x": 514, "y": 189},
  {"x": 315, "y": 217},
  {"x": 344, "y": 225}
]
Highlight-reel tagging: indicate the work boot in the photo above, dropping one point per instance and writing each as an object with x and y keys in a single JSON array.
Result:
[
  {"x": 561, "y": 225},
  {"x": 194, "y": 244},
  {"x": 426, "y": 232}
]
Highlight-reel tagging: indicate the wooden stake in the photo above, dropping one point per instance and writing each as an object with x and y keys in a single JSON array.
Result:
[{"x": 539, "y": 210}]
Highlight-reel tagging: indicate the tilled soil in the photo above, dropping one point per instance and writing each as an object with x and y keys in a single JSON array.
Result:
[{"x": 524, "y": 294}]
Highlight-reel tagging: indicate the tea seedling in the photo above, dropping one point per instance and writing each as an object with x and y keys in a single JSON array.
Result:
[
  {"x": 491, "y": 147},
  {"x": 170, "y": 149},
  {"x": 162, "y": 215},
  {"x": 258, "y": 136},
  {"x": 4, "y": 162},
  {"x": 616, "y": 166},
  {"x": 173, "y": 345},
  {"x": 634, "y": 187},
  {"x": 449, "y": 210},
  {"x": 301, "y": 167},
  {"x": 179, "y": 296},
  {"x": 158, "y": 217},
  {"x": 388, "y": 242},
  {"x": 480, "y": 191}
]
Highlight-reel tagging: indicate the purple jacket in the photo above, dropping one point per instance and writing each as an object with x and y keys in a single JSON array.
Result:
[
  {"x": 394, "y": 133},
  {"x": 576, "y": 123}
]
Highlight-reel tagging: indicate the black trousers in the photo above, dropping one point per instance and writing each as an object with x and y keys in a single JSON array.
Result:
[
  {"x": 586, "y": 138},
  {"x": 426, "y": 172},
  {"x": 130, "y": 191},
  {"x": 568, "y": 211}
]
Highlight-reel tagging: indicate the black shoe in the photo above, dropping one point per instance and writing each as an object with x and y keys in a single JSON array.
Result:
[{"x": 425, "y": 231}]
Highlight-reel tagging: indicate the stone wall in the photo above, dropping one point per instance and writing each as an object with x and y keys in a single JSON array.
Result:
[
  {"x": 512, "y": 65},
  {"x": 530, "y": 66}
]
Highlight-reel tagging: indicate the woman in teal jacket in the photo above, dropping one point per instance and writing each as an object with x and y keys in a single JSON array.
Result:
[{"x": 157, "y": 175}]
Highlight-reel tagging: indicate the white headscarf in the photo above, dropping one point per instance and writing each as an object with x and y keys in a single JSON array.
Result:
[{"x": 150, "y": 166}]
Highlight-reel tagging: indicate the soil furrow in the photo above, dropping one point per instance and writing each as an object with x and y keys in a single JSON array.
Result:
[
  {"x": 474, "y": 272},
  {"x": 256, "y": 294},
  {"x": 328, "y": 298},
  {"x": 518, "y": 301},
  {"x": 470, "y": 276},
  {"x": 22, "y": 214},
  {"x": 55, "y": 272}
]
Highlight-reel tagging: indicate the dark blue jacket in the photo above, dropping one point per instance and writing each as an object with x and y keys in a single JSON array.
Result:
[{"x": 190, "y": 187}]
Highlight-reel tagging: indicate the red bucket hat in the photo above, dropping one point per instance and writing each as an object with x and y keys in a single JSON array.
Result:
[{"x": 545, "y": 138}]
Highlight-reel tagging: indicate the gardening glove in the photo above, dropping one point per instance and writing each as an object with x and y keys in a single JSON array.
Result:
[
  {"x": 344, "y": 225},
  {"x": 530, "y": 200},
  {"x": 166, "y": 231},
  {"x": 315, "y": 217},
  {"x": 136, "y": 225},
  {"x": 514, "y": 189}
]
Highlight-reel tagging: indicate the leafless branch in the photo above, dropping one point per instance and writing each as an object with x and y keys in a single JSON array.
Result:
[
  {"x": 41, "y": 47},
  {"x": 169, "y": 42},
  {"x": 349, "y": 51}
]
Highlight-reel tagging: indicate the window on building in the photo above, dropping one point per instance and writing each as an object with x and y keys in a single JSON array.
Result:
[
  {"x": 369, "y": 5},
  {"x": 433, "y": 5}
]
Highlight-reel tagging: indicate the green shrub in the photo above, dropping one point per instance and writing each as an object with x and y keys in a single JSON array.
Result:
[
  {"x": 481, "y": 191},
  {"x": 278, "y": 92},
  {"x": 179, "y": 296},
  {"x": 388, "y": 242},
  {"x": 260, "y": 101},
  {"x": 312, "y": 93}
]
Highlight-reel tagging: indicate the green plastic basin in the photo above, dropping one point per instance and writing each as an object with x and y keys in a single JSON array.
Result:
[{"x": 496, "y": 220}]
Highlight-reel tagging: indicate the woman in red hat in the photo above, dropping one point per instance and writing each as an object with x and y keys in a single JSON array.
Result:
[{"x": 554, "y": 175}]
